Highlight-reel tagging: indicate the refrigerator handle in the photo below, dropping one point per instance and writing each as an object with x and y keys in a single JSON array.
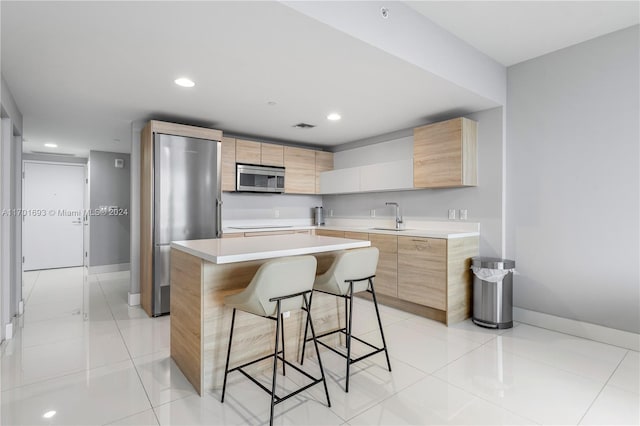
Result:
[{"x": 218, "y": 218}]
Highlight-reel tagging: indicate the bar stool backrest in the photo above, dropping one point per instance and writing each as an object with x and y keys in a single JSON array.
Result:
[
  {"x": 353, "y": 264},
  {"x": 281, "y": 277}
]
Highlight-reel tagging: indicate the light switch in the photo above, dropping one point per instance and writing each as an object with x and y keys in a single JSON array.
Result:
[
  {"x": 462, "y": 214},
  {"x": 452, "y": 214}
]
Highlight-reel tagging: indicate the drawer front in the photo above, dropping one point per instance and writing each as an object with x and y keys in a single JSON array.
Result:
[{"x": 422, "y": 271}]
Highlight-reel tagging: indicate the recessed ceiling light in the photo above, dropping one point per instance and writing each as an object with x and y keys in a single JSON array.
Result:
[
  {"x": 333, "y": 116},
  {"x": 50, "y": 145},
  {"x": 49, "y": 414},
  {"x": 184, "y": 82}
]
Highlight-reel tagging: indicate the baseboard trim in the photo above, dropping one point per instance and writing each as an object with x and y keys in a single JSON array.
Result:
[
  {"x": 134, "y": 299},
  {"x": 105, "y": 269},
  {"x": 611, "y": 336}
]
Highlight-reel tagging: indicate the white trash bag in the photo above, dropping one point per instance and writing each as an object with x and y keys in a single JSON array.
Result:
[{"x": 490, "y": 275}]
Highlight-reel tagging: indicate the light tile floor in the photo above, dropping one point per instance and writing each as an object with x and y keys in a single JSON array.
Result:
[{"x": 82, "y": 352}]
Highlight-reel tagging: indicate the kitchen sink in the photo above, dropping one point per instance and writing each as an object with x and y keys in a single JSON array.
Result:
[{"x": 391, "y": 229}]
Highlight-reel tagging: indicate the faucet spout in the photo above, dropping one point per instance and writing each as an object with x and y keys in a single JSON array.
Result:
[{"x": 399, "y": 220}]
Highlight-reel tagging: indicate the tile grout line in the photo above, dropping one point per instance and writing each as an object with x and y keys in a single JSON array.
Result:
[
  {"x": 135, "y": 367},
  {"x": 603, "y": 387}
]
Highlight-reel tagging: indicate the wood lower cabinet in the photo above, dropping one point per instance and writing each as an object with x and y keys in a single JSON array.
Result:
[
  {"x": 445, "y": 154},
  {"x": 300, "y": 174},
  {"x": 422, "y": 271},
  {"x": 329, "y": 233},
  {"x": 386, "y": 281},
  {"x": 228, "y": 164},
  {"x": 425, "y": 276}
]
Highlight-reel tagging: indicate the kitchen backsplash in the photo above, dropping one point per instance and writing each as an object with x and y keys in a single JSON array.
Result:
[{"x": 268, "y": 208}]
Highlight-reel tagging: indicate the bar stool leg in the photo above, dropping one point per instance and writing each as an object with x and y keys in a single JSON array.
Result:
[
  {"x": 375, "y": 304},
  {"x": 226, "y": 367},
  {"x": 275, "y": 364},
  {"x": 306, "y": 327},
  {"x": 346, "y": 389},
  {"x": 315, "y": 344},
  {"x": 284, "y": 372}
]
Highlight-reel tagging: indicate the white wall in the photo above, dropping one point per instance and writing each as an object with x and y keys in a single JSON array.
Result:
[
  {"x": 573, "y": 217},
  {"x": 484, "y": 202}
]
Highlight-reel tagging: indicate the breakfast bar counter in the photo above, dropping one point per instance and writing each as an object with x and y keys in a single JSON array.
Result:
[{"x": 204, "y": 271}]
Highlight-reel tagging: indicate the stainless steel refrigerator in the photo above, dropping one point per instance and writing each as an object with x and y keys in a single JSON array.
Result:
[{"x": 187, "y": 202}]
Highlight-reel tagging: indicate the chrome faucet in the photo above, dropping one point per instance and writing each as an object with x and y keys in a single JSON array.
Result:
[{"x": 398, "y": 217}]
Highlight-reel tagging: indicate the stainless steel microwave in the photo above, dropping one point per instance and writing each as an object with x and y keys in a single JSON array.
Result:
[{"x": 252, "y": 178}]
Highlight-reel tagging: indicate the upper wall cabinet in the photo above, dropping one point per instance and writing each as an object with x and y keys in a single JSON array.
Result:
[
  {"x": 272, "y": 155},
  {"x": 445, "y": 154},
  {"x": 300, "y": 170},
  {"x": 228, "y": 164},
  {"x": 248, "y": 152},
  {"x": 324, "y": 162}
]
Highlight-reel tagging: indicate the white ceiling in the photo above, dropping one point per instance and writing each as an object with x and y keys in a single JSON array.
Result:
[
  {"x": 514, "y": 31},
  {"x": 83, "y": 72}
]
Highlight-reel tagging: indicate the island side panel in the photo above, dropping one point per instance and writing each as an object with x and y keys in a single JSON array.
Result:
[
  {"x": 253, "y": 336},
  {"x": 186, "y": 315},
  {"x": 459, "y": 277}
]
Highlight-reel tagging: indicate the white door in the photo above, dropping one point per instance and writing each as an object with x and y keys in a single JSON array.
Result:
[{"x": 53, "y": 215}]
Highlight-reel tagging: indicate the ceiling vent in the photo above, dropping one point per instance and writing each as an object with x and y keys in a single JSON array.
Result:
[{"x": 304, "y": 126}]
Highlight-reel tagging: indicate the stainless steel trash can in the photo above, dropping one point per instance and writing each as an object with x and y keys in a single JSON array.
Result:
[{"x": 492, "y": 296}]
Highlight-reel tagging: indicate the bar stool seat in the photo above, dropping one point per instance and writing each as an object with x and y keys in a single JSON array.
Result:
[
  {"x": 351, "y": 272},
  {"x": 279, "y": 285}
]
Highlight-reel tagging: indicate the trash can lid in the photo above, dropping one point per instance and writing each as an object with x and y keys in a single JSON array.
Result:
[{"x": 493, "y": 263}]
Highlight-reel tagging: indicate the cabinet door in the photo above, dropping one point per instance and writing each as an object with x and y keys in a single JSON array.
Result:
[
  {"x": 386, "y": 281},
  {"x": 248, "y": 152},
  {"x": 356, "y": 235},
  {"x": 324, "y": 163},
  {"x": 329, "y": 233},
  {"x": 272, "y": 155},
  {"x": 444, "y": 154},
  {"x": 228, "y": 164},
  {"x": 300, "y": 166},
  {"x": 422, "y": 271}
]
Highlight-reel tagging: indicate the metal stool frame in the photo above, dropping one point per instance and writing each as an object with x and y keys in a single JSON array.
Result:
[
  {"x": 279, "y": 331},
  {"x": 346, "y": 330}
]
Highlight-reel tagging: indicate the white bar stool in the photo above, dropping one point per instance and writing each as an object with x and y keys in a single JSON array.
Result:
[
  {"x": 351, "y": 272},
  {"x": 279, "y": 285}
]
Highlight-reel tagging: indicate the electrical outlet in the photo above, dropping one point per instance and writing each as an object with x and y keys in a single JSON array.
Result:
[
  {"x": 331, "y": 213},
  {"x": 373, "y": 212},
  {"x": 452, "y": 214},
  {"x": 276, "y": 213},
  {"x": 462, "y": 214}
]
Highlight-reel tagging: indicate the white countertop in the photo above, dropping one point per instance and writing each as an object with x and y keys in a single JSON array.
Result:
[
  {"x": 409, "y": 232},
  {"x": 231, "y": 250}
]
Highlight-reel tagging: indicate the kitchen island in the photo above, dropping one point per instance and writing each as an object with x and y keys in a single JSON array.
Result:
[{"x": 204, "y": 271}]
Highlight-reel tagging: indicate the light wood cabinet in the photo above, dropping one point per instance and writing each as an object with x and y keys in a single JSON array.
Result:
[
  {"x": 422, "y": 271},
  {"x": 386, "y": 281},
  {"x": 356, "y": 235},
  {"x": 272, "y": 155},
  {"x": 445, "y": 154},
  {"x": 329, "y": 233},
  {"x": 324, "y": 163},
  {"x": 300, "y": 165},
  {"x": 248, "y": 152},
  {"x": 228, "y": 164}
]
